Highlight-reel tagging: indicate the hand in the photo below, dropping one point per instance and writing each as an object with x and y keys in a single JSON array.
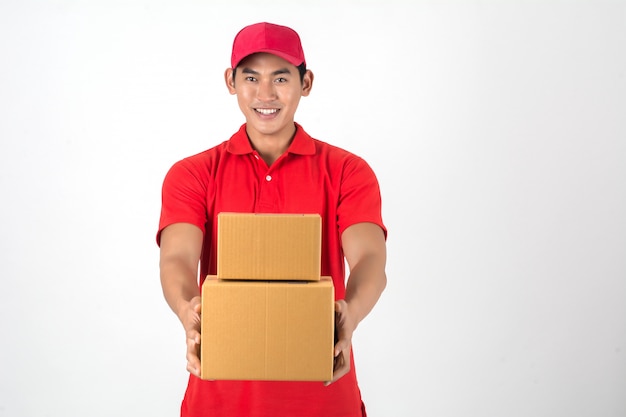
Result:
[
  {"x": 190, "y": 317},
  {"x": 344, "y": 327}
]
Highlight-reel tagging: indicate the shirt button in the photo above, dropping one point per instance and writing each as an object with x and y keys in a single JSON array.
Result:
[{"x": 268, "y": 178}]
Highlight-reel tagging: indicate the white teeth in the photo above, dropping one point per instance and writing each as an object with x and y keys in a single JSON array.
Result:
[{"x": 267, "y": 111}]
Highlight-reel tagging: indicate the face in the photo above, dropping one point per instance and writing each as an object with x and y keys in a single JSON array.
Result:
[{"x": 268, "y": 90}]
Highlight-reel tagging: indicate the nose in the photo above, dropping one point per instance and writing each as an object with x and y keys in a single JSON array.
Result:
[{"x": 266, "y": 91}]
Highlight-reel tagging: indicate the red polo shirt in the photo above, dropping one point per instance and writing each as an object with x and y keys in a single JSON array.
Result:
[{"x": 311, "y": 177}]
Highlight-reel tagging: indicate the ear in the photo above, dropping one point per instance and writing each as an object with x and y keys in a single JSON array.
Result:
[
  {"x": 307, "y": 83},
  {"x": 230, "y": 80}
]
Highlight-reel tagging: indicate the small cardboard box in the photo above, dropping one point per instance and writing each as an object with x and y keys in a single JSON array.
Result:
[
  {"x": 269, "y": 246},
  {"x": 267, "y": 330}
]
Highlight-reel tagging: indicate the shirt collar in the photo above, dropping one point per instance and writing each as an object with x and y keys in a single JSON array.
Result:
[{"x": 302, "y": 143}]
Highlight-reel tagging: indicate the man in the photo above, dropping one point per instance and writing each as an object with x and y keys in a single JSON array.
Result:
[{"x": 271, "y": 165}]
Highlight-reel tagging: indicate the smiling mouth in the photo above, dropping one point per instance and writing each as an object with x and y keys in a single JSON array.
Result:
[{"x": 266, "y": 112}]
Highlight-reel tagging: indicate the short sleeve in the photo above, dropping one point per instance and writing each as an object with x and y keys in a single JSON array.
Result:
[
  {"x": 360, "y": 198},
  {"x": 184, "y": 196}
]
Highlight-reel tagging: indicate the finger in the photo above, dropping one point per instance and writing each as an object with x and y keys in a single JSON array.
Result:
[
  {"x": 343, "y": 343},
  {"x": 193, "y": 367},
  {"x": 340, "y": 346},
  {"x": 193, "y": 344},
  {"x": 193, "y": 359},
  {"x": 341, "y": 367},
  {"x": 197, "y": 307},
  {"x": 193, "y": 334},
  {"x": 339, "y": 307}
]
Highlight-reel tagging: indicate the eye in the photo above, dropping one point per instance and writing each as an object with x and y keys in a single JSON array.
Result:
[
  {"x": 250, "y": 78},
  {"x": 281, "y": 80}
]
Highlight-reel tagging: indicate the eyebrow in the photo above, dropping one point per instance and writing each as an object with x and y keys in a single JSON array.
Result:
[{"x": 247, "y": 70}]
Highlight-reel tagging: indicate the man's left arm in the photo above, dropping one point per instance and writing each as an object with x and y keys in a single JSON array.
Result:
[{"x": 365, "y": 250}]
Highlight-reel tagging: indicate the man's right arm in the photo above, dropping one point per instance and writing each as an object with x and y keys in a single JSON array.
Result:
[{"x": 181, "y": 246}]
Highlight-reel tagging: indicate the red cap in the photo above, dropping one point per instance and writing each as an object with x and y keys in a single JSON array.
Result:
[{"x": 267, "y": 37}]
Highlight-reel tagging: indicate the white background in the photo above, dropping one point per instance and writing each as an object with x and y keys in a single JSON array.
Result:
[{"x": 498, "y": 133}]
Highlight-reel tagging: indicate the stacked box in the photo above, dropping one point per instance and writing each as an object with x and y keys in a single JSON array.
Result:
[
  {"x": 269, "y": 246},
  {"x": 268, "y": 314}
]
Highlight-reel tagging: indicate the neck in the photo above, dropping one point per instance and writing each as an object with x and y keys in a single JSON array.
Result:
[{"x": 271, "y": 147}]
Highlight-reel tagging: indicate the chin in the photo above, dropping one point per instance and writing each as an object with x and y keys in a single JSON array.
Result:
[{"x": 268, "y": 128}]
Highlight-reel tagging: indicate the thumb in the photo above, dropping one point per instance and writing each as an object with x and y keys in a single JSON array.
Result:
[
  {"x": 197, "y": 304},
  {"x": 339, "y": 306}
]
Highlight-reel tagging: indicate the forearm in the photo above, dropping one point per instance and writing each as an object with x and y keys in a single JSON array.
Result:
[
  {"x": 365, "y": 284},
  {"x": 365, "y": 250},
  {"x": 179, "y": 284},
  {"x": 181, "y": 245}
]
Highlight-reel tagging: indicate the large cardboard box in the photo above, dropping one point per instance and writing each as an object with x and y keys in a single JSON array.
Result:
[
  {"x": 267, "y": 330},
  {"x": 269, "y": 246}
]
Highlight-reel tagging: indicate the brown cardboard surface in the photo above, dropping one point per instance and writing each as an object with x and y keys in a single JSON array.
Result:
[
  {"x": 269, "y": 246},
  {"x": 267, "y": 330}
]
